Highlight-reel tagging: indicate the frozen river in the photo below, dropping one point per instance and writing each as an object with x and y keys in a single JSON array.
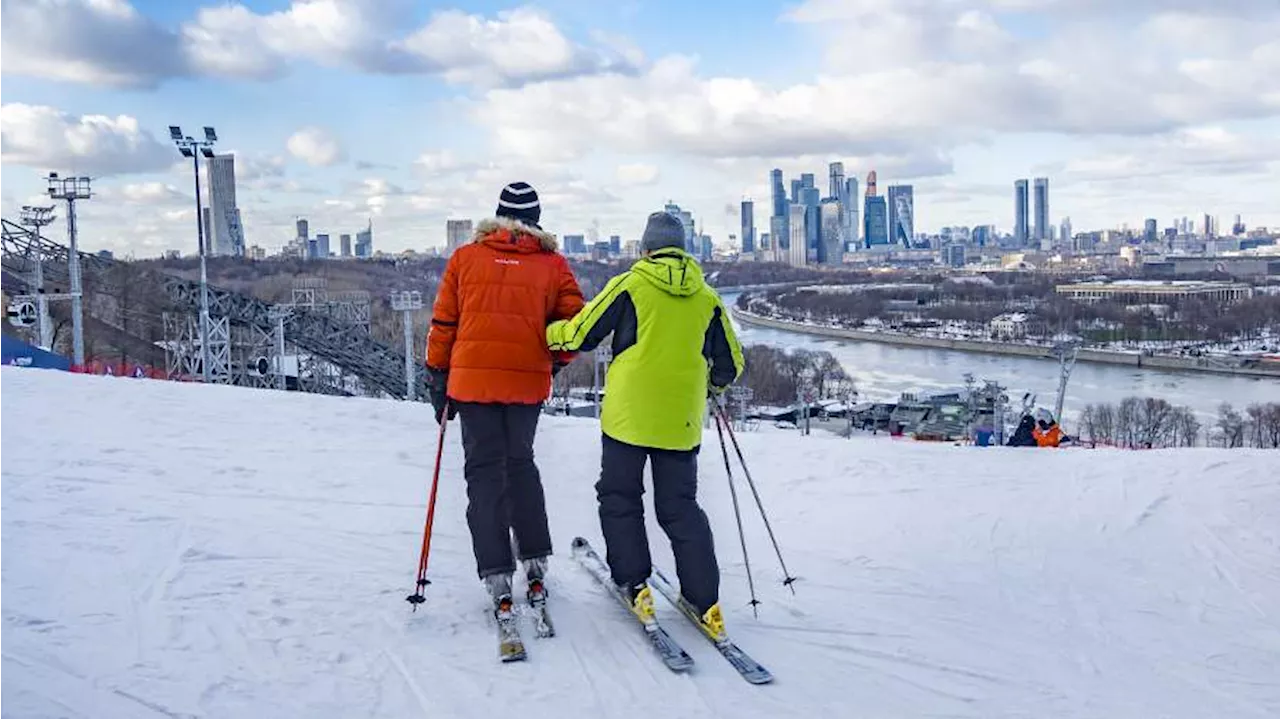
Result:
[{"x": 884, "y": 371}]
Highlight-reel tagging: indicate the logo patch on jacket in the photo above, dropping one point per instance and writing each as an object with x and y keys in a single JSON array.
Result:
[{"x": 502, "y": 261}]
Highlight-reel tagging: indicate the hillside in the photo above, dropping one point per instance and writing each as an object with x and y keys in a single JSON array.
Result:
[{"x": 179, "y": 550}]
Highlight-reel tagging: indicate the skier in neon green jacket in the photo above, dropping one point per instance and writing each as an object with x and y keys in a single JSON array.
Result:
[{"x": 672, "y": 343}]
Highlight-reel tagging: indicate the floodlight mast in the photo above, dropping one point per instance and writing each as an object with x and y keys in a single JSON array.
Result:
[
  {"x": 72, "y": 189},
  {"x": 188, "y": 147}
]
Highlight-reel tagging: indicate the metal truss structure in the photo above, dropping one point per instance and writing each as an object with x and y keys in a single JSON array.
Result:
[{"x": 340, "y": 354}]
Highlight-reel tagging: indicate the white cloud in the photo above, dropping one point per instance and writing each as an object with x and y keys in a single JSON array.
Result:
[
  {"x": 316, "y": 147},
  {"x": 637, "y": 174},
  {"x": 48, "y": 139}
]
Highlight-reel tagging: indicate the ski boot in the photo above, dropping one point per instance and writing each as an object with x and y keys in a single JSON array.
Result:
[
  {"x": 640, "y": 600},
  {"x": 510, "y": 648},
  {"x": 535, "y": 571},
  {"x": 712, "y": 623}
]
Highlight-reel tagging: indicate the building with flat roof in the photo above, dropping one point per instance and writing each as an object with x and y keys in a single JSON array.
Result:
[{"x": 1143, "y": 291}]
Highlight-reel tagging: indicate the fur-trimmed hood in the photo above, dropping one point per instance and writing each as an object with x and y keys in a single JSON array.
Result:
[{"x": 493, "y": 225}]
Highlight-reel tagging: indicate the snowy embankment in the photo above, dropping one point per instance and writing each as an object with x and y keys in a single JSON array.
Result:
[{"x": 179, "y": 550}]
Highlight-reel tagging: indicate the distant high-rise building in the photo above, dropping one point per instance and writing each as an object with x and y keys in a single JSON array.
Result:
[
  {"x": 902, "y": 215},
  {"x": 227, "y": 234},
  {"x": 831, "y": 244},
  {"x": 983, "y": 235},
  {"x": 779, "y": 238},
  {"x": 575, "y": 244},
  {"x": 1208, "y": 225},
  {"x": 313, "y": 249},
  {"x": 1064, "y": 234},
  {"x": 876, "y": 215},
  {"x": 811, "y": 198},
  {"x": 796, "y": 187},
  {"x": 364, "y": 242},
  {"x": 615, "y": 245},
  {"x": 836, "y": 173},
  {"x": 1238, "y": 228},
  {"x": 302, "y": 229},
  {"x": 457, "y": 233},
  {"x": 1021, "y": 210},
  {"x": 954, "y": 255},
  {"x": 748, "y": 227},
  {"x": 1042, "y": 209},
  {"x": 779, "y": 193},
  {"x": 706, "y": 248},
  {"x": 798, "y": 253},
  {"x": 807, "y": 180},
  {"x": 1151, "y": 229},
  {"x": 322, "y": 246},
  {"x": 853, "y": 228},
  {"x": 344, "y": 242}
]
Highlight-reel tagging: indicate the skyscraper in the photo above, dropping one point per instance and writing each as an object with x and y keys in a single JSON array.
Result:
[
  {"x": 345, "y": 244},
  {"x": 779, "y": 240},
  {"x": 831, "y": 246},
  {"x": 302, "y": 229},
  {"x": 1150, "y": 229},
  {"x": 836, "y": 172},
  {"x": 779, "y": 195},
  {"x": 364, "y": 241},
  {"x": 796, "y": 187},
  {"x": 876, "y": 221},
  {"x": 798, "y": 253},
  {"x": 615, "y": 245},
  {"x": 1064, "y": 234},
  {"x": 902, "y": 215},
  {"x": 322, "y": 246},
  {"x": 748, "y": 227},
  {"x": 227, "y": 234},
  {"x": 807, "y": 180},
  {"x": 457, "y": 234},
  {"x": 811, "y": 198},
  {"x": 1020, "y": 212},
  {"x": 853, "y": 228},
  {"x": 1042, "y": 209}
]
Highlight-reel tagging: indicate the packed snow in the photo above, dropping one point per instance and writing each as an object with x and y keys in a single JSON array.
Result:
[{"x": 187, "y": 551}]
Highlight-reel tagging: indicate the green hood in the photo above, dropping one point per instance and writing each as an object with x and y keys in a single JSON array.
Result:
[{"x": 673, "y": 271}]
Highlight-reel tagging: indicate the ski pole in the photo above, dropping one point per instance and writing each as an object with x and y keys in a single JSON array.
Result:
[
  {"x": 418, "y": 598},
  {"x": 737, "y": 515},
  {"x": 789, "y": 580}
]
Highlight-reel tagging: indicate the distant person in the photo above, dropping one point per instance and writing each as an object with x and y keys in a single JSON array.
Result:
[
  {"x": 1024, "y": 435},
  {"x": 672, "y": 342},
  {"x": 487, "y": 359},
  {"x": 1047, "y": 433}
]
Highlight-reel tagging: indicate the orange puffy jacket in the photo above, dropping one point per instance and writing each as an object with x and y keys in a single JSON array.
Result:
[
  {"x": 488, "y": 326},
  {"x": 1051, "y": 437}
]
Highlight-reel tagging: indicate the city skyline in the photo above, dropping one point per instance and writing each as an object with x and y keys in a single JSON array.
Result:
[{"x": 340, "y": 110}]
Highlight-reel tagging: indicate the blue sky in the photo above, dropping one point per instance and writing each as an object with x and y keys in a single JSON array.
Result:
[{"x": 411, "y": 113}]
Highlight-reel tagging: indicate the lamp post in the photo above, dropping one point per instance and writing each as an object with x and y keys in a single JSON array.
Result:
[
  {"x": 194, "y": 149},
  {"x": 406, "y": 303},
  {"x": 34, "y": 218},
  {"x": 72, "y": 189}
]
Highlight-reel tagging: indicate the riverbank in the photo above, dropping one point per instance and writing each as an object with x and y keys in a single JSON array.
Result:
[{"x": 1130, "y": 359}]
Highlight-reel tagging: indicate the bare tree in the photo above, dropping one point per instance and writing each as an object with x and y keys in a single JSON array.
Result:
[{"x": 1232, "y": 426}]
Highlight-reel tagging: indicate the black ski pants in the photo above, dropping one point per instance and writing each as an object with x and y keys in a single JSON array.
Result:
[
  {"x": 504, "y": 489},
  {"x": 675, "y": 500}
]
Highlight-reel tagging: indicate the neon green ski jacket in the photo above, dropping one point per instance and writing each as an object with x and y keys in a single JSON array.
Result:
[{"x": 671, "y": 337}]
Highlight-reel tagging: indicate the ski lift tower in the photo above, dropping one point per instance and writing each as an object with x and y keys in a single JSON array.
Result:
[
  {"x": 1066, "y": 352},
  {"x": 34, "y": 218}
]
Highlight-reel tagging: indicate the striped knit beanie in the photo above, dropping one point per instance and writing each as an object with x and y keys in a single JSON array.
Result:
[{"x": 519, "y": 201}]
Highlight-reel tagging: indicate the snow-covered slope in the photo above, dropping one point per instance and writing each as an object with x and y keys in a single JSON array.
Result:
[{"x": 178, "y": 550}]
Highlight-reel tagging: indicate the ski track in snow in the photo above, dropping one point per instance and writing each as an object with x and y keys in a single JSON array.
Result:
[{"x": 174, "y": 550}]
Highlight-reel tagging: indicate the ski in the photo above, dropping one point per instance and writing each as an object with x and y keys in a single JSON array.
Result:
[
  {"x": 672, "y": 654},
  {"x": 510, "y": 646},
  {"x": 749, "y": 668}
]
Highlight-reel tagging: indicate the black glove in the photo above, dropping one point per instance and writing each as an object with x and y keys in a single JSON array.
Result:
[{"x": 437, "y": 385}]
